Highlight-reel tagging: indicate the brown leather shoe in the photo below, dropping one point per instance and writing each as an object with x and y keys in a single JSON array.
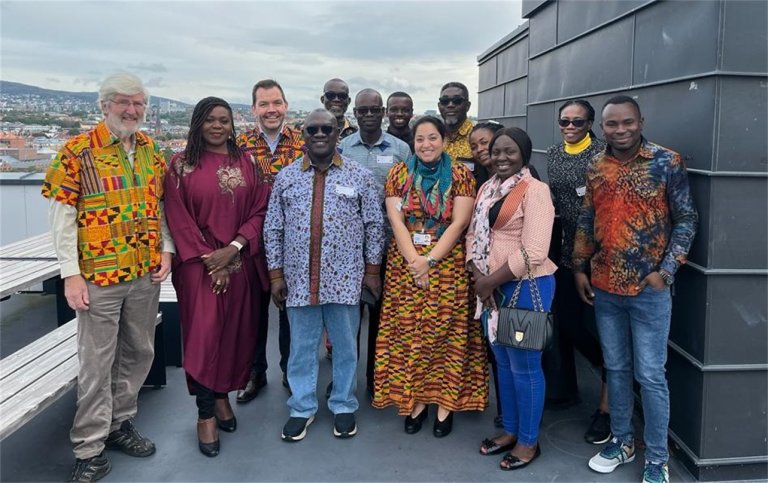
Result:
[{"x": 252, "y": 389}]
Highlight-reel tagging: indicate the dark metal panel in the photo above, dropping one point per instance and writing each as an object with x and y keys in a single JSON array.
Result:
[
  {"x": 739, "y": 230},
  {"x": 539, "y": 161},
  {"x": 675, "y": 39},
  {"x": 515, "y": 95},
  {"x": 491, "y": 103},
  {"x": 520, "y": 122},
  {"x": 745, "y": 43},
  {"x": 738, "y": 319},
  {"x": 487, "y": 74},
  {"x": 513, "y": 62},
  {"x": 701, "y": 192},
  {"x": 734, "y": 402},
  {"x": 689, "y": 315},
  {"x": 681, "y": 117},
  {"x": 542, "y": 29},
  {"x": 599, "y": 61},
  {"x": 530, "y": 6},
  {"x": 575, "y": 18},
  {"x": 743, "y": 145},
  {"x": 686, "y": 388},
  {"x": 541, "y": 118}
]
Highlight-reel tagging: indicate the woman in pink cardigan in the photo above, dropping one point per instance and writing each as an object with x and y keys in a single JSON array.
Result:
[{"x": 513, "y": 211}]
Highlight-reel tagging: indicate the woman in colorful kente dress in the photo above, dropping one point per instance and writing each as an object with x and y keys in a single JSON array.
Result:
[
  {"x": 216, "y": 204},
  {"x": 429, "y": 349}
]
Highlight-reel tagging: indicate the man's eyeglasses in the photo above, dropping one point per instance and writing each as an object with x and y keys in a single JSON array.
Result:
[
  {"x": 332, "y": 96},
  {"x": 455, "y": 100},
  {"x": 125, "y": 103},
  {"x": 312, "y": 130},
  {"x": 375, "y": 110},
  {"x": 396, "y": 111},
  {"x": 575, "y": 122}
]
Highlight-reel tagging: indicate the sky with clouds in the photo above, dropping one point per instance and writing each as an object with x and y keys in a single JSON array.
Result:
[{"x": 188, "y": 50}]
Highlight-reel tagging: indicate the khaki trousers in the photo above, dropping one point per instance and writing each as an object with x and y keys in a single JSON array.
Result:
[{"x": 115, "y": 346}]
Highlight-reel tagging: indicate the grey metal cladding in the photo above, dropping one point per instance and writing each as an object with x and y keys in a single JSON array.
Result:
[
  {"x": 675, "y": 39},
  {"x": 575, "y": 18},
  {"x": 513, "y": 61},
  {"x": 542, "y": 122},
  {"x": 599, "y": 61},
  {"x": 515, "y": 94},
  {"x": 491, "y": 103},
  {"x": 487, "y": 74},
  {"x": 743, "y": 144},
  {"x": 745, "y": 25},
  {"x": 542, "y": 30}
]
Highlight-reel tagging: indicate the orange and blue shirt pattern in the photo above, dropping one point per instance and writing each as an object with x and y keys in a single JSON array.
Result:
[
  {"x": 289, "y": 148},
  {"x": 637, "y": 217},
  {"x": 118, "y": 215}
]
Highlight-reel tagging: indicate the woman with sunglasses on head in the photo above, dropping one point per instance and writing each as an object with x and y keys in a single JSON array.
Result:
[
  {"x": 509, "y": 235},
  {"x": 566, "y": 166},
  {"x": 429, "y": 350},
  {"x": 216, "y": 204}
]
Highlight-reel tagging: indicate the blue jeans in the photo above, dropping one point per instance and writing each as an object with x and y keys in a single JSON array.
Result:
[
  {"x": 520, "y": 376},
  {"x": 342, "y": 323},
  {"x": 633, "y": 334}
]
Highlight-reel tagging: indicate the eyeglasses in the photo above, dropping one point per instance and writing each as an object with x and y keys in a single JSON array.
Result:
[
  {"x": 455, "y": 100},
  {"x": 395, "y": 111},
  {"x": 312, "y": 130},
  {"x": 332, "y": 96},
  {"x": 125, "y": 104},
  {"x": 375, "y": 110},
  {"x": 575, "y": 122}
]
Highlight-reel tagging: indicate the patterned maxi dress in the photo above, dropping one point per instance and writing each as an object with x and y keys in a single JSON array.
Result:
[{"x": 429, "y": 349}]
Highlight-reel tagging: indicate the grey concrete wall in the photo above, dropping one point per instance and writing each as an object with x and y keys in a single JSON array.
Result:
[{"x": 698, "y": 71}]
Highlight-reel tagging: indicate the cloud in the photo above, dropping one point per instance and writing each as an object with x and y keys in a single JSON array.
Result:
[
  {"x": 143, "y": 67},
  {"x": 52, "y": 80}
]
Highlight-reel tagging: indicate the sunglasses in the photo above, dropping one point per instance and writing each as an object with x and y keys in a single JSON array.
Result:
[
  {"x": 455, "y": 100},
  {"x": 312, "y": 130},
  {"x": 369, "y": 110},
  {"x": 575, "y": 122},
  {"x": 332, "y": 96}
]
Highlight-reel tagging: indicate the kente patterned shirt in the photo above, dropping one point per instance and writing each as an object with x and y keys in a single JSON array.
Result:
[
  {"x": 289, "y": 147},
  {"x": 637, "y": 217},
  {"x": 323, "y": 230},
  {"x": 118, "y": 213},
  {"x": 567, "y": 180},
  {"x": 457, "y": 145}
]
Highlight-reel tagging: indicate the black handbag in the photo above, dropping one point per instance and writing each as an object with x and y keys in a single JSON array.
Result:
[{"x": 523, "y": 328}]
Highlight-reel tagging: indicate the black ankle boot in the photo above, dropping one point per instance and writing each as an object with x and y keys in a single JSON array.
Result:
[
  {"x": 443, "y": 428},
  {"x": 413, "y": 425}
]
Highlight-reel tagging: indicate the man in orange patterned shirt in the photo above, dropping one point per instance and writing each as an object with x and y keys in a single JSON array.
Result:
[
  {"x": 273, "y": 146},
  {"x": 114, "y": 248}
]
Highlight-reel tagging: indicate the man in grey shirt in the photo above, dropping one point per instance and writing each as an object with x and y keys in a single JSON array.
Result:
[{"x": 378, "y": 151}]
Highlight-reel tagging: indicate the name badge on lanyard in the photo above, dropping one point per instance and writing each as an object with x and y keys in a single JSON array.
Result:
[{"x": 422, "y": 239}]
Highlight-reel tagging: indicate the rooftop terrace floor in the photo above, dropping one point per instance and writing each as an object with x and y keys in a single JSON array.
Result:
[{"x": 381, "y": 451}]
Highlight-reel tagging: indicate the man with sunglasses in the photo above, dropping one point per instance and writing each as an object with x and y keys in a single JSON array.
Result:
[
  {"x": 400, "y": 113},
  {"x": 273, "y": 145},
  {"x": 378, "y": 151},
  {"x": 454, "y": 105},
  {"x": 336, "y": 99},
  {"x": 324, "y": 237}
]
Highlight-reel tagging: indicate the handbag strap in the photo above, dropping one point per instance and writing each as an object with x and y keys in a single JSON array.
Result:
[
  {"x": 511, "y": 203},
  {"x": 538, "y": 305}
]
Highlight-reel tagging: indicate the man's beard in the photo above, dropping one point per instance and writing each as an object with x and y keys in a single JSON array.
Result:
[{"x": 120, "y": 130}]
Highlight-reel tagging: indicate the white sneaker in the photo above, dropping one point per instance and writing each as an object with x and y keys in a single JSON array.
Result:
[
  {"x": 655, "y": 473},
  {"x": 615, "y": 454}
]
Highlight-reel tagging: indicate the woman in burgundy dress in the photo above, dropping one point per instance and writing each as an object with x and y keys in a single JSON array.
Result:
[{"x": 215, "y": 204}]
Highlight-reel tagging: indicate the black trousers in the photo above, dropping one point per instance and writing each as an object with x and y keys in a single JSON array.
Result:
[
  {"x": 206, "y": 400},
  {"x": 284, "y": 337}
]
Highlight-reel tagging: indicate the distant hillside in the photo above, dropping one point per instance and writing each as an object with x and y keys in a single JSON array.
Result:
[{"x": 18, "y": 89}]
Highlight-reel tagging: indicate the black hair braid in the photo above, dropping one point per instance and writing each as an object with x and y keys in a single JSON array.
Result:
[{"x": 195, "y": 142}]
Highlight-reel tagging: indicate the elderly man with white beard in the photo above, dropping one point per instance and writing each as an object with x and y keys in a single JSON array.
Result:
[{"x": 106, "y": 187}]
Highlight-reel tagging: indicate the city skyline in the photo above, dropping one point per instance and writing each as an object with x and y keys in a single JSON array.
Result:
[{"x": 188, "y": 50}]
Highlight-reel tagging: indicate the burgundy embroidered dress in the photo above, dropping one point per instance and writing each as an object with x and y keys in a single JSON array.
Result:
[{"x": 207, "y": 207}]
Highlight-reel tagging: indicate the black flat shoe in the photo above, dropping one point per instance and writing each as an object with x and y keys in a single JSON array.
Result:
[
  {"x": 489, "y": 447},
  {"x": 515, "y": 463},
  {"x": 228, "y": 425},
  {"x": 413, "y": 425},
  {"x": 443, "y": 428}
]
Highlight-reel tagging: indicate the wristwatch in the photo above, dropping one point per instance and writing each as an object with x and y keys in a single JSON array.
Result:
[
  {"x": 668, "y": 278},
  {"x": 431, "y": 261}
]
